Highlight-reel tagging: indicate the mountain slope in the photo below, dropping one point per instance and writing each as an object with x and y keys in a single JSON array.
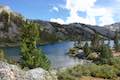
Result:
[
  {"x": 113, "y": 27},
  {"x": 86, "y": 31},
  {"x": 11, "y": 22}
]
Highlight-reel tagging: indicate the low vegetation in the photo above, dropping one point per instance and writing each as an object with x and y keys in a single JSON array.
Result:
[
  {"x": 100, "y": 71},
  {"x": 105, "y": 65}
]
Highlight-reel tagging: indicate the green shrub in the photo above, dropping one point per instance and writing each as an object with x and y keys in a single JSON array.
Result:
[
  {"x": 115, "y": 61},
  {"x": 68, "y": 75},
  {"x": 101, "y": 71},
  {"x": 105, "y": 71},
  {"x": 64, "y": 76}
]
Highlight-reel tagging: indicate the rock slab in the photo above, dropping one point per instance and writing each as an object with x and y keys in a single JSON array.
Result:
[{"x": 13, "y": 72}]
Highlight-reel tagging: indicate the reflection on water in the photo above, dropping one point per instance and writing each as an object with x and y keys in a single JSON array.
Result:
[{"x": 57, "y": 54}]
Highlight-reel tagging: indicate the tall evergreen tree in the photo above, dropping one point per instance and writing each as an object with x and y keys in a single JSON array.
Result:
[
  {"x": 31, "y": 56},
  {"x": 105, "y": 54},
  {"x": 95, "y": 42},
  {"x": 116, "y": 42},
  {"x": 87, "y": 49}
]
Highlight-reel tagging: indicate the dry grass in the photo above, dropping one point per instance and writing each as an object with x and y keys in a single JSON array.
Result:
[{"x": 91, "y": 78}]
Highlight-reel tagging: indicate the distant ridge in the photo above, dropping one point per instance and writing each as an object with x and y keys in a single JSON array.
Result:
[{"x": 10, "y": 28}]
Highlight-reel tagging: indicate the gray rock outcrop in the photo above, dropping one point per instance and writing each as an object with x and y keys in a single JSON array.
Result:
[{"x": 13, "y": 72}]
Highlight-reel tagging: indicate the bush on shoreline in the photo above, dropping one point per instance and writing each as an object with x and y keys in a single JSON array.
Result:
[{"x": 100, "y": 71}]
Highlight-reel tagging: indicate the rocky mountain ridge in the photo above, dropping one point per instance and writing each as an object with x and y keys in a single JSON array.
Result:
[
  {"x": 79, "y": 29},
  {"x": 113, "y": 27},
  {"x": 11, "y": 22}
]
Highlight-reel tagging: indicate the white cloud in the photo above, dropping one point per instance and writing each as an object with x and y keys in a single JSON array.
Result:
[
  {"x": 54, "y": 8},
  {"x": 80, "y": 5},
  {"x": 106, "y": 15},
  {"x": 105, "y": 20},
  {"x": 92, "y": 11}
]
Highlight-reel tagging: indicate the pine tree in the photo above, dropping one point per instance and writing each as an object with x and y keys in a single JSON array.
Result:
[
  {"x": 105, "y": 54},
  {"x": 95, "y": 42},
  {"x": 116, "y": 42},
  {"x": 31, "y": 56},
  {"x": 87, "y": 49}
]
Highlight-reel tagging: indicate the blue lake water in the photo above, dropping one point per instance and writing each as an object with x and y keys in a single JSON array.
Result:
[{"x": 56, "y": 53}]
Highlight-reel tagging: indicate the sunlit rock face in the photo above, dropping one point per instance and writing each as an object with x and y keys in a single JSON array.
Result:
[
  {"x": 10, "y": 23},
  {"x": 5, "y": 8}
]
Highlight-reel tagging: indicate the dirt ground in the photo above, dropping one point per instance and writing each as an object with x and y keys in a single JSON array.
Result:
[{"x": 115, "y": 53}]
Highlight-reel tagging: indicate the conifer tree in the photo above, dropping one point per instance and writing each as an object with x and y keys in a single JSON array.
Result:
[
  {"x": 95, "y": 42},
  {"x": 87, "y": 49},
  {"x": 116, "y": 42},
  {"x": 31, "y": 56},
  {"x": 105, "y": 54}
]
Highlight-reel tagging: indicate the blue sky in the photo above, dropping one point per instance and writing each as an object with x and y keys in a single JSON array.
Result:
[{"x": 95, "y": 12}]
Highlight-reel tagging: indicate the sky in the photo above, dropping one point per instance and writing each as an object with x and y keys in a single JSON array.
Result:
[{"x": 94, "y": 12}]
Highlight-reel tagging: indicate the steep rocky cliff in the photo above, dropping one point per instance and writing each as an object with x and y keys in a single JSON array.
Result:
[{"x": 10, "y": 23}]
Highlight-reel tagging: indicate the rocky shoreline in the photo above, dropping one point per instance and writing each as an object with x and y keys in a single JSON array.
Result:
[
  {"x": 14, "y": 72},
  {"x": 2, "y": 45}
]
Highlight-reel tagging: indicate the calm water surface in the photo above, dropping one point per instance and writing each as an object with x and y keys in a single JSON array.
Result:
[{"x": 56, "y": 53}]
